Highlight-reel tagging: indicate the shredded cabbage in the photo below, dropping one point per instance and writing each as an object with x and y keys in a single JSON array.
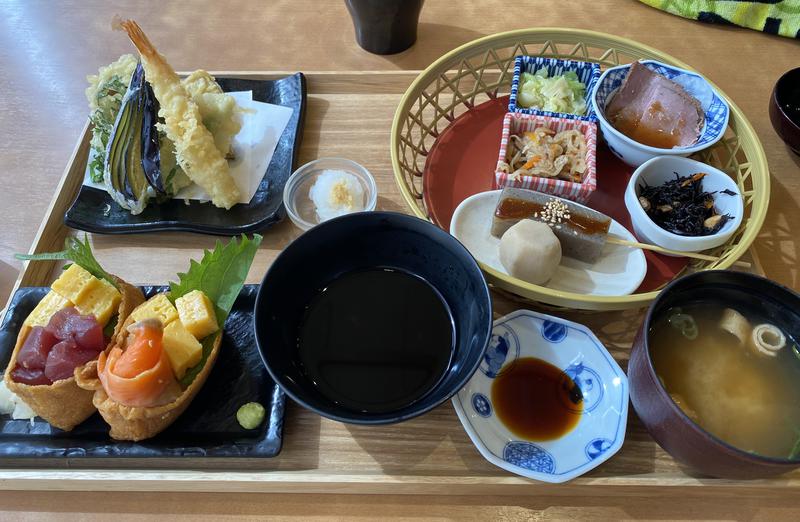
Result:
[{"x": 564, "y": 93}]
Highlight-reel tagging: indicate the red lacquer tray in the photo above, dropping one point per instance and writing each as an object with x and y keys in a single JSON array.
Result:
[{"x": 462, "y": 163}]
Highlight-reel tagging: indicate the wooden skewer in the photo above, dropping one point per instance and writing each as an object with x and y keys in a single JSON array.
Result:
[{"x": 615, "y": 240}]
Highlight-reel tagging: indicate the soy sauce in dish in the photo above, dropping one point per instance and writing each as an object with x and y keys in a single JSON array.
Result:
[
  {"x": 535, "y": 400},
  {"x": 376, "y": 340}
]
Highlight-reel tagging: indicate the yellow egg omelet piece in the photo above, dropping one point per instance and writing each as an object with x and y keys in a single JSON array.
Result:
[
  {"x": 49, "y": 305},
  {"x": 73, "y": 283},
  {"x": 182, "y": 349},
  {"x": 101, "y": 299},
  {"x": 157, "y": 307},
  {"x": 197, "y": 314}
]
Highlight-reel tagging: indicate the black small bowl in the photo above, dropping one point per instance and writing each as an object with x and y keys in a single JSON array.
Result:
[
  {"x": 785, "y": 119},
  {"x": 357, "y": 242}
]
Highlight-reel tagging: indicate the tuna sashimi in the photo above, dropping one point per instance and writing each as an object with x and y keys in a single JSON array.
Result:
[
  {"x": 84, "y": 329},
  {"x": 52, "y": 353},
  {"x": 33, "y": 354},
  {"x": 654, "y": 110},
  {"x": 59, "y": 323},
  {"x": 87, "y": 332},
  {"x": 31, "y": 377},
  {"x": 64, "y": 358}
]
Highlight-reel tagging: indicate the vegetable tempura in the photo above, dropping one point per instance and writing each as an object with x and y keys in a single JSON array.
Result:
[{"x": 195, "y": 148}]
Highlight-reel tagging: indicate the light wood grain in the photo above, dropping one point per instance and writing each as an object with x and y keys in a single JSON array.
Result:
[
  {"x": 428, "y": 455},
  {"x": 47, "y": 48}
]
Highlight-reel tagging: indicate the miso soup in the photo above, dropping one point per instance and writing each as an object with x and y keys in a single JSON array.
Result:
[{"x": 741, "y": 389}]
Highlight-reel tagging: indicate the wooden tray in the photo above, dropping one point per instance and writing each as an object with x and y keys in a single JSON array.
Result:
[{"x": 349, "y": 114}]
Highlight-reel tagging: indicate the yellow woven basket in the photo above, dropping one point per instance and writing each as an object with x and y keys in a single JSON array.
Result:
[{"x": 481, "y": 70}]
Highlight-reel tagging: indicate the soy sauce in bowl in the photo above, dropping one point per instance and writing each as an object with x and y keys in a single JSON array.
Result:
[
  {"x": 376, "y": 340},
  {"x": 535, "y": 400}
]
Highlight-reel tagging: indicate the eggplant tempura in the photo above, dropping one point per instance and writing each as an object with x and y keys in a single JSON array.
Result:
[{"x": 195, "y": 148}]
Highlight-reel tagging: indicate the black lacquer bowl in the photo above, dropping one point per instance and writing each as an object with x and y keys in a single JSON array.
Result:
[
  {"x": 208, "y": 428},
  {"x": 94, "y": 211},
  {"x": 362, "y": 241}
]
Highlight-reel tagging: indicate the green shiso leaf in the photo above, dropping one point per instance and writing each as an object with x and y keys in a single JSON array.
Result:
[
  {"x": 220, "y": 275},
  {"x": 77, "y": 251}
]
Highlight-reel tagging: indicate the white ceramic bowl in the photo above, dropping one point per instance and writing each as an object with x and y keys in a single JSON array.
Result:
[
  {"x": 298, "y": 204},
  {"x": 634, "y": 153},
  {"x": 577, "y": 352},
  {"x": 660, "y": 169}
]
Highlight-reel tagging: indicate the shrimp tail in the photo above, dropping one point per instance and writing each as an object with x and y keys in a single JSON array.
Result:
[{"x": 137, "y": 36}]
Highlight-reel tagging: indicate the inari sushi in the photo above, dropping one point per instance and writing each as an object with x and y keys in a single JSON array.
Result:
[
  {"x": 167, "y": 346},
  {"x": 70, "y": 327}
]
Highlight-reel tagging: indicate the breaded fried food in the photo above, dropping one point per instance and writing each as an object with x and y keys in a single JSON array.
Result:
[{"x": 195, "y": 148}]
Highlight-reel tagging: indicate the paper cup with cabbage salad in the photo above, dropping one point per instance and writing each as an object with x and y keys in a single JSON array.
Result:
[
  {"x": 167, "y": 346},
  {"x": 84, "y": 309}
]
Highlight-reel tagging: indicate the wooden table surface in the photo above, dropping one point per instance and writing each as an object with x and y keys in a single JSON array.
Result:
[{"x": 46, "y": 50}]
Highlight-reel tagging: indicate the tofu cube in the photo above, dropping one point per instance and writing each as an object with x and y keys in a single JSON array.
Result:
[
  {"x": 183, "y": 350},
  {"x": 157, "y": 307},
  {"x": 74, "y": 283},
  {"x": 101, "y": 300},
  {"x": 197, "y": 314},
  {"x": 49, "y": 305}
]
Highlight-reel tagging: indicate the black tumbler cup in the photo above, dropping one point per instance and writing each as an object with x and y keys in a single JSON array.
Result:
[{"x": 385, "y": 26}]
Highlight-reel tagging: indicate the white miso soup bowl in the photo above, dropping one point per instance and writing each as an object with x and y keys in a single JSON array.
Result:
[{"x": 661, "y": 169}]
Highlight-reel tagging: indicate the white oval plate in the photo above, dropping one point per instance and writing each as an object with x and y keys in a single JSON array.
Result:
[
  {"x": 619, "y": 271},
  {"x": 575, "y": 350}
]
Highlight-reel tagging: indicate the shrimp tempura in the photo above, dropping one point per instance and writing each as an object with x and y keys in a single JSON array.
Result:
[{"x": 194, "y": 144}]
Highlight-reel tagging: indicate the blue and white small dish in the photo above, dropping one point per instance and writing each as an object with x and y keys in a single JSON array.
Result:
[
  {"x": 634, "y": 153},
  {"x": 575, "y": 350},
  {"x": 588, "y": 74}
]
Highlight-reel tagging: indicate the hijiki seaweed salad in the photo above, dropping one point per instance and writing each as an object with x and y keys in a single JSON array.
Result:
[
  {"x": 154, "y": 133},
  {"x": 682, "y": 207}
]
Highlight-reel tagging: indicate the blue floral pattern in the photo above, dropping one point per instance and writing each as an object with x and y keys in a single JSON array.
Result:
[
  {"x": 481, "y": 405},
  {"x": 503, "y": 346},
  {"x": 529, "y": 456},
  {"x": 593, "y": 370},
  {"x": 554, "y": 332},
  {"x": 597, "y": 447},
  {"x": 589, "y": 383}
]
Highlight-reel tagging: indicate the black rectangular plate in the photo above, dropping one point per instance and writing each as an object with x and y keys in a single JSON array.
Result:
[
  {"x": 208, "y": 427},
  {"x": 94, "y": 211}
]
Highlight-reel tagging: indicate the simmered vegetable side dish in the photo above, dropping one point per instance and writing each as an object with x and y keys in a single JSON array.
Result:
[
  {"x": 546, "y": 153},
  {"x": 561, "y": 93},
  {"x": 682, "y": 207}
]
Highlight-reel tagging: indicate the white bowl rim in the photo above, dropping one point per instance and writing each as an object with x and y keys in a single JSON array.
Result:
[
  {"x": 293, "y": 180},
  {"x": 666, "y": 234},
  {"x": 607, "y": 127}
]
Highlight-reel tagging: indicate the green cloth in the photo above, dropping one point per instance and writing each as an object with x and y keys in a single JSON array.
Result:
[{"x": 771, "y": 16}]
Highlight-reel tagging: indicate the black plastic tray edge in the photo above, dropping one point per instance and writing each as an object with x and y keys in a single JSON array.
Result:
[
  {"x": 274, "y": 431},
  {"x": 173, "y": 226}
]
